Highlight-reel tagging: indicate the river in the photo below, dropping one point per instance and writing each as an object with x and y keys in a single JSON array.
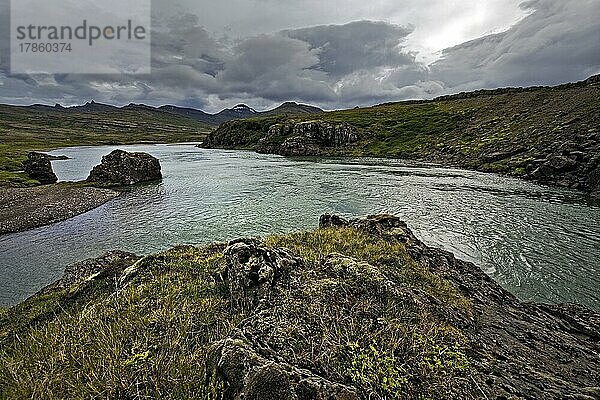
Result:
[{"x": 540, "y": 243}]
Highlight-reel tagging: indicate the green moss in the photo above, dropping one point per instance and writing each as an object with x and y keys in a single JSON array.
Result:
[
  {"x": 348, "y": 313},
  {"x": 16, "y": 179},
  {"x": 377, "y": 371},
  {"x": 149, "y": 338}
]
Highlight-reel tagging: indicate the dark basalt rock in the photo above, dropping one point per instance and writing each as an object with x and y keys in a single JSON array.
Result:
[
  {"x": 521, "y": 350},
  {"x": 252, "y": 269},
  {"x": 553, "y": 166},
  {"x": 123, "y": 168},
  {"x": 528, "y": 350},
  {"x": 39, "y": 167},
  {"x": 238, "y": 362},
  {"x": 306, "y": 138},
  {"x": 248, "y": 375}
]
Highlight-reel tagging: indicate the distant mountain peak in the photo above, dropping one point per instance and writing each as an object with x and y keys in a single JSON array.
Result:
[{"x": 243, "y": 108}]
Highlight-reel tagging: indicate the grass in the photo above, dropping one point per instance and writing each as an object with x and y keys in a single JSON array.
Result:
[
  {"x": 492, "y": 132},
  {"x": 23, "y": 130},
  {"x": 356, "y": 312}
]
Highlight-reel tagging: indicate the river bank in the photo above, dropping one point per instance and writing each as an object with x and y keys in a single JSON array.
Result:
[
  {"x": 355, "y": 309},
  {"x": 540, "y": 243},
  {"x": 549, "y": 135},
  {"x": 22, "y": 209}
]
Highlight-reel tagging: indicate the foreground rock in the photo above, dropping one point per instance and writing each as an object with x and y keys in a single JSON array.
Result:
[
  {"x": 39, "y": 167},
  {"x": 525, "y": 350},
  {"x": 521, "y": 350},
  {"x": 359, "y": 309},
  {"x": 22, "y": 209},
  {"x": 123, "y": 168}
]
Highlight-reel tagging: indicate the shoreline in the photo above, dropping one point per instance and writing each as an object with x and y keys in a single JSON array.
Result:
[
  {"x": 23, "y": 209},
  {"x": 39, "y": 207},
  {"x": 428, "y": 162}
]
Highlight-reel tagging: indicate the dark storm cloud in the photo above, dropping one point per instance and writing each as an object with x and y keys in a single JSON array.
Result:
[
  {"x": 558, "y": 42},
  {"x": 343, "y": 65},
  {"x": 317, "y": 63},
  {"x": 344, "y": 49},
  {"x": 181, "y": 40},
  {"x": 275, "y": 67}
]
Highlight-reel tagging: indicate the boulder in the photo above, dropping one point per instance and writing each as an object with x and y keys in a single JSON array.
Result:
[
  {"x": 562, "y": 163},
  {"x": 253, "y": 269},
  {"x": 553, "y": 166},
  {"x": 243, "y": 373},
  {"x": 39, "y": 167},
  {"x": 239, "y": 364},
  {"x": 123, "y": 168}
]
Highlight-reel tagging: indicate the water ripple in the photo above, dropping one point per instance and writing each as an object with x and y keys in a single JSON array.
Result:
[{"x": 540, "y": 243}]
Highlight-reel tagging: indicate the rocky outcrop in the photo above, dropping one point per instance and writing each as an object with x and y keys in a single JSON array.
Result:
[
  {"x": 87, "y": 269},
  {"x": 526, "y": 350},
  {"x": 123, "y": 168},
  {"x": 576, "y": 164},
  {"x": 556, "y": 345},
  {"x": 519, "y": 350},
  {"x": 39, "y": 167},
  {"x": 244, "y": 368},
  {"x": 544, "y": 134},
  {"x": 306, "y": 138},
  {"x": 358, "y": 309}
]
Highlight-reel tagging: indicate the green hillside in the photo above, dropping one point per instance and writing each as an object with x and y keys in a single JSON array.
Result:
[
  {"x": 512, "y": 131},
  {"x": 23, "y": 129}
]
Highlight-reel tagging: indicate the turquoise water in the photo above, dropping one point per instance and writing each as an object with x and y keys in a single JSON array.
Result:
[{"x": 540, "y": 243}]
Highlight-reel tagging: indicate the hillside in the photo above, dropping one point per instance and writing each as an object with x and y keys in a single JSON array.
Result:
[
  {"x": 547, "y": 134},
  {"x": 23, "y": 129},
  {"x": 356, "y": 309}
]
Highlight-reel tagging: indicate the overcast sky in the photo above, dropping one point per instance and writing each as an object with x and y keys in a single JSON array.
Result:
[{"x": 334, "y": 53}]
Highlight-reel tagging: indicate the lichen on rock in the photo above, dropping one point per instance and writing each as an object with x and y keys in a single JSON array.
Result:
[{"x": 306, "y": 138}]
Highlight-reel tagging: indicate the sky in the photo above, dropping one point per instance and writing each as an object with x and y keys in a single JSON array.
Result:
[{"x": 332, "y": 53}]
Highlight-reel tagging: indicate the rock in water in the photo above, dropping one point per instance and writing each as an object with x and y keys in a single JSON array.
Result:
[
  {"x": 38, "y": 167},
  {"x": 123, "y": 168}
]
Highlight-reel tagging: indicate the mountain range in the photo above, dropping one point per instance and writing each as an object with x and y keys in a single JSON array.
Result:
[{"x": 240, "y": 111}]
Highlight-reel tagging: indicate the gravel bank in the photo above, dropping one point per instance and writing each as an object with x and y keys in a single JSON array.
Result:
[{"x": 22, "y": 209}]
